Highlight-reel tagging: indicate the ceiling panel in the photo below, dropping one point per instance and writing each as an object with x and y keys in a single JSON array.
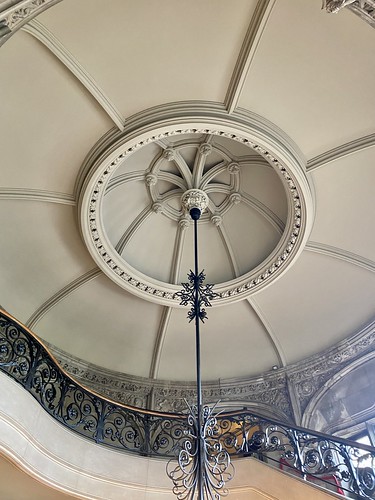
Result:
[
  {"x": 130, "y": 47},
  {"x": 102, "y": 324},
  {"x": 312, "y": 74},
  {"x": 41, "y": 251},
  {"x": 345, "y": 203},
  {"x": 49, "y": 121},
  {"x": 317, "y": 303},
  {"x": 233, "y": 343}
]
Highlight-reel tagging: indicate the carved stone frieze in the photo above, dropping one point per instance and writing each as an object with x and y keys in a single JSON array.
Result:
[
  {"x": 310, "y": 375},
  {"x": 266, "y": 393}
]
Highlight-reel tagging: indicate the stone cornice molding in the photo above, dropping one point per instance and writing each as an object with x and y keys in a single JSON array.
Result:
[
  {"x": 41, "y": 33},
  {"x": 15, "y": 15},
  {"x": 172, "y": 119}
]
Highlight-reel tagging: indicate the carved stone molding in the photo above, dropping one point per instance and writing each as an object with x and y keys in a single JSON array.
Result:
[
  {"x": 365, "y": 9},
  {"x": 266, "y": 393},
  {"x": 310, "y": 375},
  {"x": 256, "y": 134},
  {"x": 19, "y": 13}
]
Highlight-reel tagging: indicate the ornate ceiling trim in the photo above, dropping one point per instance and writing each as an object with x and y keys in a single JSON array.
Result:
[
  {"x": 346, "y": 149},
  {"x": 365, "y": 9},
  {"x": 347, "y": 421},
  {"x": 59, "y": 296},
  {"x": 339, "y": 253},
  {"x": 250, "y": 130},
  {"x": 36, "y": 195},
  {"x": 249, "y": 46},
  {"x": 309, "y": 375},
  {"x": 19, "y": 13},
  {"x": 41, "y": 33},
  {"x": 272, "y": 390}
]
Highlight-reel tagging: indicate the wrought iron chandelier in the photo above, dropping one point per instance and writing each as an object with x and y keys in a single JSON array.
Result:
[{"x": 203, "y": 465}]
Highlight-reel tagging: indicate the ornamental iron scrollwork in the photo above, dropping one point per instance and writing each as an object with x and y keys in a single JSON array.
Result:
[
  {"x": 216, "y": 463},
  {"x": 334, "y": 463}
]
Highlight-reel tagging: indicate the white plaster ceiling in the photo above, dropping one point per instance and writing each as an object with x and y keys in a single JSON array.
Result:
[{"x": 80, "y": 70}]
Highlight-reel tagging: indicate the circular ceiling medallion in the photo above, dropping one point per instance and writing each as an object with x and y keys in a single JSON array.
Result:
[{"x": 257, "y": 220}]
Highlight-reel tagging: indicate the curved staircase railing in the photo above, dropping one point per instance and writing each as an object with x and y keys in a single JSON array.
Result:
[{"x": 340, "y": 465}]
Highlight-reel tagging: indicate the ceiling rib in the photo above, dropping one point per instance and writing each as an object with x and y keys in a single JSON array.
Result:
[
  {"x": 177, "y": 252},
  {"x": 123, "y": 178},
  {"x": 270, "y": 333},
  {"x": 346, "y": 149},
  {"x": 156, "y": 355},
  {"x": 339, "y": 253},
  {"x": 132, "y": 229},
  {"x": 166, "y": 314},
  {"x": 41, "y": 33},
  {"x": 229, "y": 250},
  {"x": 36, "y": 195},
  {"x": 253, "y": 305},
  {"x": 247, "y": 52},
  {"x": 184, "y": 169},
  {"x": 59, "y": 296},
  {"x": 268, "y": 214},
  {"x": 199, "y": 162}
]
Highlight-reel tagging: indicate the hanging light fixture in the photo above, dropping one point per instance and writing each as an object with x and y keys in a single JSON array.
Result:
[{"x": 203, "y": 466}]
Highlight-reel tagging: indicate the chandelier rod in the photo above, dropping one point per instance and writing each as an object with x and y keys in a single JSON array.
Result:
[
  {"x": 203, "y": 465},
  {"x": 195, "y": 214}
]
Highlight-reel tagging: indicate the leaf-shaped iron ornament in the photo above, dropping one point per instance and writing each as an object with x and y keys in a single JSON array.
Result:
[{"x": 197, "y": 295}]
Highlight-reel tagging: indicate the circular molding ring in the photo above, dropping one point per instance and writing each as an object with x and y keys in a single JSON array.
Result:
[{"x": 253, "y": 132}]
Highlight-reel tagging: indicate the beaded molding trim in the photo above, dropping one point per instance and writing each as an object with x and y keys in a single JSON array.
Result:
[{"x": 278, "y": 262}]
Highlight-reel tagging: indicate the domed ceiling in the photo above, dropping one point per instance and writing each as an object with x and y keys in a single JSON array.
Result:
[{"x": 112, "y": 110}]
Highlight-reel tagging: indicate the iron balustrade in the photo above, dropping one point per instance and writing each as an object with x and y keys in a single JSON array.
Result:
[{"x": 341, "y": 465}]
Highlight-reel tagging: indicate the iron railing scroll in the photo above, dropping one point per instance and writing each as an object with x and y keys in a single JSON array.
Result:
[{"x": 340, "y": 465}]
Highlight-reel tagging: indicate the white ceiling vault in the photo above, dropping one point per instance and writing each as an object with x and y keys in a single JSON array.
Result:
[{"x": 111, "y": 110}]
